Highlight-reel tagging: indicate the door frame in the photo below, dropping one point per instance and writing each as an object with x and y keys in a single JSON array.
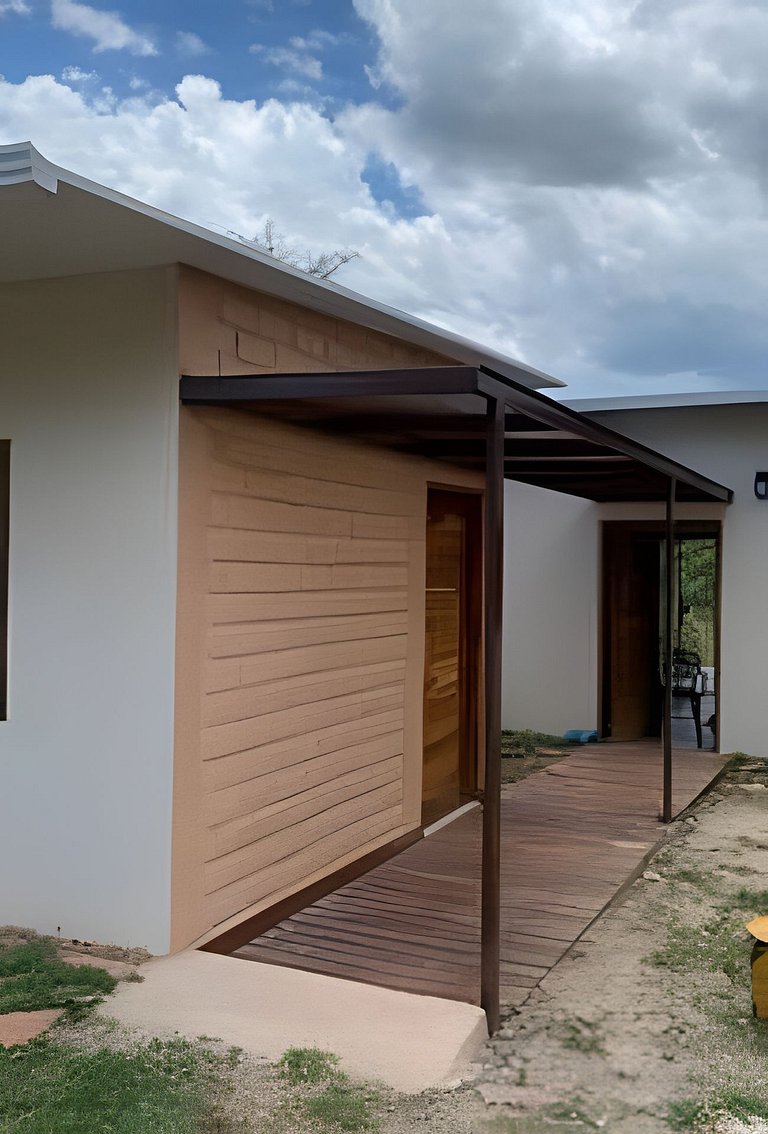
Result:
[
  {"x": 471, "y": 701},
  {"x": 684, "y": 529}
]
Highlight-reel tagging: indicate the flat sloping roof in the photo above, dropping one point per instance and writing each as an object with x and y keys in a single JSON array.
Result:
[
  {"x": 440, "y": 412},
  {"x": 668, "y": 401},
  {"x": 55, "y": 223}
]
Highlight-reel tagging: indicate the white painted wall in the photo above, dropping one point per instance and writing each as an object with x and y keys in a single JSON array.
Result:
[
  {"x": 728, "y": 443},
  {"x": 549, "y": 675},
  {"x": 88, "y": 389}
]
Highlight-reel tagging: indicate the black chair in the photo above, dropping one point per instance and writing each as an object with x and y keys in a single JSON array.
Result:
[{"x": 689, "y": 681}]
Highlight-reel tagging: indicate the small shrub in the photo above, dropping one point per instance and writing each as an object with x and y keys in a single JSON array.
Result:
[{"x": 308, "y": 1065}]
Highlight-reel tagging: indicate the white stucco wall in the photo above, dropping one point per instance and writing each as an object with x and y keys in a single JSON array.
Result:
[
  {"x": 88, "y": 390},
  {"x": 728, "y": 443},
  {"x": 549, "y": 674}
]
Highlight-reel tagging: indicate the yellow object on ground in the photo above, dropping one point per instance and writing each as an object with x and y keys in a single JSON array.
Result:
[{"x": 759, "y": 929}]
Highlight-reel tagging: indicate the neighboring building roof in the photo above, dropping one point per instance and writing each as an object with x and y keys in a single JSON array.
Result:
[
  {"x": 667, "y": 401},
  {"x": 55, "y": 223}
]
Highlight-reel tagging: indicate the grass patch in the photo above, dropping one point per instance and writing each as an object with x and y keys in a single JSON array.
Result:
[
  {"x": 340, "y": 1106},
  {"x": 518, "y": 743},
  {"x": 692, "y": 876},
  {"x": 32, "y": 977},
  {"x": 753, "y": 901},
  {"x": 333, "y": 1101},
  {"x": 162, "y": 1088},
  {"x": 686, "y": 1114},
  {"x": 717, "y": 946},
  {"x": 741, "y": 1105},
  {"x": 308, "y": 1065},
  {"x": 693, "y": 1114}
]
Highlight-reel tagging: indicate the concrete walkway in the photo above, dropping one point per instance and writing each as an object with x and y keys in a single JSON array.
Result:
[{"x": 410, "y": 1042}]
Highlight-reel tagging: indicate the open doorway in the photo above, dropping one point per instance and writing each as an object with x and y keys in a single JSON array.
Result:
[
  {"x": 634, "y": 600},
  {"x": 453, "y": 612}
]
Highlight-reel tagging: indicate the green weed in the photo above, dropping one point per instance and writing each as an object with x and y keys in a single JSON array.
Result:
[
  {"x": 308, "y": 1065},
  {"x": 740, "y": 1105},
  {"x": 701, "y": 879},
  {"x": 582, "y": 1035},
  {"x": 159, "y": 1087},
  {"x": 713, "y": 947},
  {"x": 339, "y": 1104},
  {"x": 32, "y": 977},
  {"x": 518, "y": 743},
  {"x": 686, "y": 1114},
  {"x": 754, "y": 901}
]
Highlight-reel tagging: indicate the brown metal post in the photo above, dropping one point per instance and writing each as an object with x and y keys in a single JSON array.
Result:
[
  {"x": 666, "y": 807},
  {"x": 493, "y": 574}
]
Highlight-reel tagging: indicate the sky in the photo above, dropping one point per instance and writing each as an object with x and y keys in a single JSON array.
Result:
[{"x": 581, "y": 184}]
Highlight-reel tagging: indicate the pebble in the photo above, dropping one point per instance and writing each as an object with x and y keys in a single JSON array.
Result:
[{"x": 652, "y": 876}]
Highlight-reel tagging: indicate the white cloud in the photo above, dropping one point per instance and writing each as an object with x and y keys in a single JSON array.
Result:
[
  {"x": 108, "y": 30},
  {"x": 14, "y": 8},
  {"x": 77, "y": 75},
  {"x": 298, "y": 62},
  {"x": 191, "y": 45},
  {"x": 595, "y": 175}
]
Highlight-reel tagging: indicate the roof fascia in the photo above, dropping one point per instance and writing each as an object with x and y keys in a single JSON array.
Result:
[
  {"x": 21, "y": 163},
  {"x": 289, "y": 387}
]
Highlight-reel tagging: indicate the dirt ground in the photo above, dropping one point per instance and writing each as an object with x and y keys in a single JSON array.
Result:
[
  {"x": 645, "y": 1027},
  {"x": 518, "y": 768}
]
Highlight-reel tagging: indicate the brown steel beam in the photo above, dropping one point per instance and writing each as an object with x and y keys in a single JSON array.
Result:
[
  {"x": 493, "y": 575},
  {"x": 536, "y": 405},
  {"x": 221, "y": 390},
  {"x": 669, "y": 542}
]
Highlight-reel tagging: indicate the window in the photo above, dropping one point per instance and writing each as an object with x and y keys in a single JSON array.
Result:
[{"x": 5, "y": 500}]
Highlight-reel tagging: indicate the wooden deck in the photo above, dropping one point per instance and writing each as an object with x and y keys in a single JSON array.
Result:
[{"x": 572, "y": 836}]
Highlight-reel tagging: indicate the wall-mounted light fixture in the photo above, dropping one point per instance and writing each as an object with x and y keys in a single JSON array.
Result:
[{"x": 761, "y": 485}]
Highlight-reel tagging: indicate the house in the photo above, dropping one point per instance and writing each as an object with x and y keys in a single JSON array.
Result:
[
  {"x": 250, "y": 530},
  {"x": 566, "y": 561}
]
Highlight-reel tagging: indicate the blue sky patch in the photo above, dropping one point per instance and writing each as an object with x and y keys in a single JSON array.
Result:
[{"x": 383, "y": 180}]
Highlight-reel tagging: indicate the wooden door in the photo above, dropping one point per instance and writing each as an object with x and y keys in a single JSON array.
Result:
[
  {"x": 453, "y": 553},
  {"x": 632, "y": 687}
]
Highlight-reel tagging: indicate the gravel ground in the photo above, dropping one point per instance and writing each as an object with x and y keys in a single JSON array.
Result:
[
  {"x": 648, "y": 1018},
  {"x": 645, "y": 1026}
]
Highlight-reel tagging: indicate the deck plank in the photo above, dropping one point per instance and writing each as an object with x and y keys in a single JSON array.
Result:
[{"x": 571, "y": 837}]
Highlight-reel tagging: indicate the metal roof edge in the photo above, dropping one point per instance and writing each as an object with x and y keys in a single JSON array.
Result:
[
  {"x": 21, "y": 162},
  {"x": 667, "y": 401},
  {"x": 24, "y": 163}
]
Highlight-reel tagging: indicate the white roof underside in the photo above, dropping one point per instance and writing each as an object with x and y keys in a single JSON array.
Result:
[{"x": 54, "y": 223}]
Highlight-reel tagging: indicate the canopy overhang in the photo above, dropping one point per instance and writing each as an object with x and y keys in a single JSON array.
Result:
[
  {"x": 477, "y": 418},
  {"x": 441, "y": 413}
]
